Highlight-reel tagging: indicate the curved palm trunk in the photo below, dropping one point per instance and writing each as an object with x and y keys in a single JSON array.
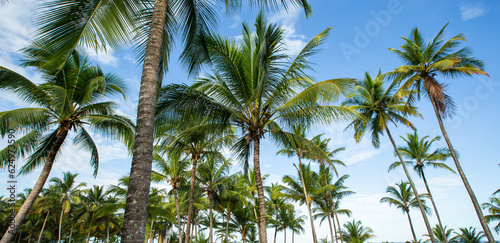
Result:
[
  {"x": 334, "y": 228},
  {"x": 260, "y": 192},
  {"x": 43, "y": 227},
  {"x": 88, "y": 237},
  {"x": 135, "y": 218},
  {"x": 330, "y": 224},
  {"x": 308, "y": 203},
  {"x": 71, "y": 232},
  {"x": 472, "y": 196},
  {"x": 151, "y": 234},
  {"x": 60, "y": 225},
  {"x": 434, "y": 206},
  {"x": 411, "y": 227},
  {"x": 211, "y": 220},
  {"x": 417, "y": 196},
  {"x": 23, "y": 211},
  {"x": 178, "y": 214},
  {"x": 191, "y": 199},
  {"x": 338, "y": 223},
  {"x": 227, "y": 226}
]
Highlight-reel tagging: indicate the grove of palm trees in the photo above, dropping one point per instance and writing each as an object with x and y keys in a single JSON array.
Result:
[{"x": 258, "y": 121}]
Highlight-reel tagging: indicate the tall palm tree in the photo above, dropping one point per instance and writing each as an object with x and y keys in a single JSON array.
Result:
[
  {"x": 171, "y": 170},
  {"x": 379, "y": 107},
  {"x": 423, "y": 62},
  {"x": 68, "y": 193},
  {"x": 403, "y": 198},
  {"x": 72, "y": 99},
  {"x": 354, "y": 232},
  {"x": 493, "y": 208},
  {"x": 418, "y": 151},
  {"x": 254, "y": 89},
  {"x": 469, "y": 235}
]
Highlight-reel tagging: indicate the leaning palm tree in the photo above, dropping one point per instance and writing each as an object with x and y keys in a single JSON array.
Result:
[
  {"x": 380, "y": 106},
  {"x": 171, "y": 170},
  {"x": 403, "y": 198},
  {"x": 67, "y": 24},
  {"x": 423, "y": 62},
  {"x": 354, "y": 232},
  {"x": 69, "y": 194},
  {"x": 72, "y": 99},
  {"x": 255, "y": 88},
  {"x": 493, "y": 208},
  {"x": 418, "y": 151}
]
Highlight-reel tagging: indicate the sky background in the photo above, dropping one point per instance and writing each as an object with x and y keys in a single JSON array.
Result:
[{"x": 362, "y": 33}]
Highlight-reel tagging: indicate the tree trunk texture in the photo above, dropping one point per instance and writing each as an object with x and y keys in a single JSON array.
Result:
[
  {"x": 417, "y": 196},
  {"x": 135, "y": 217},
  {"x": 23, "y": 211},
  {"x": 472, "y": 196}
]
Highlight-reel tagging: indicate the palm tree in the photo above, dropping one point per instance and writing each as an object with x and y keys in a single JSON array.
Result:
[
  {"x": 252, "y": 88},
  {"x": 295, "y": 224},
  {"x": 423, "y": 62},
  {"x": 354, "y": 232},
  {"x": 493, "y": 208},
  {"x": 242, "y": 222},
  {"x": 275, "y": 202},
  {"x": 286, "y": 218},
  {"x": 403, "y": 198},
  {"x": 441, "y": 234},
  {"x": 378, "y": 107},
  {"x": 172, "y": 171},
  {"x": 68, "y": 193},
  {"x": 68, "y": 100},
  {"x": 212, "y": 176},
  {"x": 419, "y": 152},
  {"x": 469, "y": 235}
]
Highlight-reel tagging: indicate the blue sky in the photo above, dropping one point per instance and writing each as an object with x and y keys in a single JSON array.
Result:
[{"x": 359, "y": 41}]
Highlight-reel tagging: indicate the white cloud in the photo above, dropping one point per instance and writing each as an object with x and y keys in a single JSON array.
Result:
[
  {"x": 471, "y": 11},
  {"x": 104, "y": 57},
  {"x": 288, "y": 19}
]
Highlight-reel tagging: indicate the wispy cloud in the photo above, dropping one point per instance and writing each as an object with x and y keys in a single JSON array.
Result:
[
  {"x": 472, "y": 10},
  {"x": 288, "y": 19}
]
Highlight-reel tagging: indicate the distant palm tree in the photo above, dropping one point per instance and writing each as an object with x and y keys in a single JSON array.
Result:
[
  {"x": 296, "y": 224},
  {"x": 418, "y": 151},
  {"x": 287, "y": 217},
  {"x": 468, "y": 235},
  {"x": 403, "y": 198},
  {"x": 442, "y": 235},
  {"x": 72, "y": 99},
  {"x": 354, "y": 232},
  {"x": 68, "y": 193},
  {"x": 493, "y": 208},
  {"x": 276, "y": 201},
  {"x": 423, "y": 62},
  {"x": 380, "y": 106},
  {"x": 242, "y": 222}
]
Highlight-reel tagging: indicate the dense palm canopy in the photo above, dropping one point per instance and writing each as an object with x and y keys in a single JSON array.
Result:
[
  {"x": 73, "y": 99},
  {"x": 423, "y": 63}
]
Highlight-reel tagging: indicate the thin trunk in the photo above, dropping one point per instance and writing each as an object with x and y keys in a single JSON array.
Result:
[
  {"x": 29, "y": 237},
  {"x": 276, "y": 227},
  {"x": 184, "y": 229},
  {"x": 211, "y": 236},
  {"x": 244, "y": 237},
  {"x": 284, "y": 232},
  {"x": 71, "y": 232},
  {"x": 60, "y": 225},
  {"x": 434, "y": 206},
  {"x": 191, "y": 199},
  {"x": 227, "y": 226},
  {"x": 417, "y": 196},
  {"x": 151, "y": 235},
  {"x": 315, "y": 239},
  {"x": 37, "y": 188},
  {"x": 293, "y": 237},
  {"x": 20, "y": 235},
  {"x": 411, "y": 227},
  {"x": 330, "y": 224},
  {"x": 135, "y": 218},
  {"x": 178, "y": 213},
  {"x": 260, "y": 192},
  {"x": 334, "y": 229},
  {"x": 255, "y": 213},
  {"x": 338, "y": 223},
  {"x": 43, "y": 227},
  {"x": 472, "y": 196},
  {"x": 170, "y": 233},
  {"x": 107, "y": 233},
  {"x": 88, "y": 237}
]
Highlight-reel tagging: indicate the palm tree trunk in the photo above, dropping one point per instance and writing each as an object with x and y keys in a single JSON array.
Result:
[
  {"x": 276, "y": 228},
  {"x": 411, "y": 227},
  {"x": 29, "y": 237},
  {"x": 107, "y": 233},
  {"x": 434, "y": 206},
  {"x": 244, "y": 237},
  {"x": 330, "y": 224},
  {"x": 178, "y": 214},
  {"x": 255, "y": 213},
  {"x": 227, "y": 225},
  {"x": 20, "y": 236},
  {"x": 43, "y": 227},
  {"x": 472, "y": 196},
  {"x": 284, "y": 232},
  {"x": 293, "y": 237},
  {"x": 60, "y": 225},
  {"x": 88, "y": 237},
  {"x": 260, "y": 192},
  {"x": 308, "y": 203},
  {"x": 170, "y": 233},
  {"x": 71, "y": 232},
  {"x": 151, "y": 232},
  {"x": 334, "y": 228},
  {"x": 211, "y": 236},
  {"x": 135, "y": 218},
  {"x": 23, "y": 211},
  {"x": 338, "y": 223},
  {"x": 195, "y": 158},
  {"x": 417, "y": 196}
]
